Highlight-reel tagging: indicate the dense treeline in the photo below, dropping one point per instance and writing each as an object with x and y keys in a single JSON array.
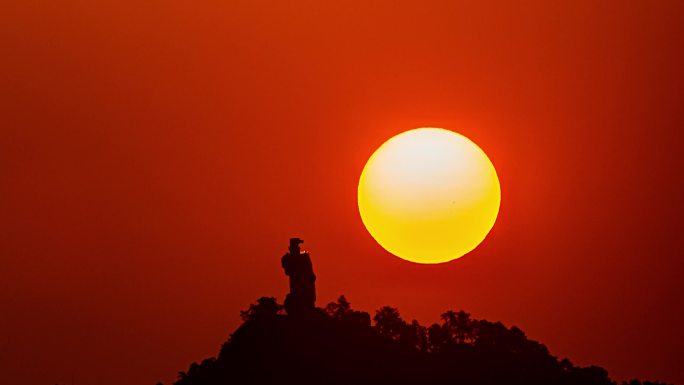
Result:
[{"x": 339, "y": 345}]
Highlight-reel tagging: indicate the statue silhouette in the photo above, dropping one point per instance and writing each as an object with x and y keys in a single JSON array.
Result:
[{"x": 297, "y": 265}]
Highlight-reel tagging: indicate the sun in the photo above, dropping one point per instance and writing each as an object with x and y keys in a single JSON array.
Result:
[{"x": 429, "y": 195}]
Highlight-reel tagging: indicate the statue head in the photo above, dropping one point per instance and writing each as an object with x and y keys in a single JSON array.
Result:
[{"x": 294, "y": 245}]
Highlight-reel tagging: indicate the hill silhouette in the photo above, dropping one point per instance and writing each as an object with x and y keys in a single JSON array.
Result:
[{"x": 339, "y": 345}]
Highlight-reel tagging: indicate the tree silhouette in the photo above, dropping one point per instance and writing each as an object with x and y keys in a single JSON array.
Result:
[
  {"x": 458, "y": 326},
  {"x": 415, "y": 335},
  {"x": 388, "y": 323},
  {"x": 340, "y": 309},
  {"x": 264, "y": 307}
]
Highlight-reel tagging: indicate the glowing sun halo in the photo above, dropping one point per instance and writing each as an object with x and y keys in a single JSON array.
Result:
[{"x": 429, "y": 195}]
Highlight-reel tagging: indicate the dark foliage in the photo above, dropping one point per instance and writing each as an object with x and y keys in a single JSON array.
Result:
[
  {"x": 338, "y": 345},
  {"x": 264, "y": 307}
]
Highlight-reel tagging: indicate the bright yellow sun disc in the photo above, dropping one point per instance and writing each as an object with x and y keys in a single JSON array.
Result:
[{"x": 429, "y": 195}]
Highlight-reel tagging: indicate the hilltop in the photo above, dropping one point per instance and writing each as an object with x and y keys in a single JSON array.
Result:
[{"x": 339, "y": 345}]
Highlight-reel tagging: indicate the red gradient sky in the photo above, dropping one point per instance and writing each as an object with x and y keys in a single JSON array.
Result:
[{"x": 156, "y": 156}]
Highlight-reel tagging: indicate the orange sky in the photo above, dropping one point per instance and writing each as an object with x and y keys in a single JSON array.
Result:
[{"x": 155, "y": 158}]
